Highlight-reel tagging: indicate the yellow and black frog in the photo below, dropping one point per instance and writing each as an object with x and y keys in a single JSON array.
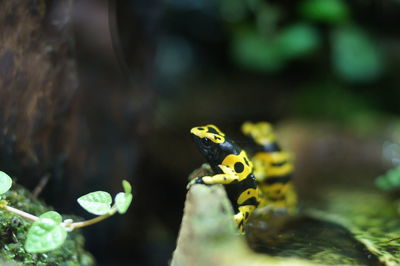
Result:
[
  {"x": 273, "y": 168},
  {"x": 232, "y": 168}
]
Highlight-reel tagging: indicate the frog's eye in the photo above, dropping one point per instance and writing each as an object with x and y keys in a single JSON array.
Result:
[{"x": 206, "y": 141}]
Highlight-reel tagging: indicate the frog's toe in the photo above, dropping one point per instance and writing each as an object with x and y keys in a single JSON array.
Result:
[{"x": 197, "y": 180}]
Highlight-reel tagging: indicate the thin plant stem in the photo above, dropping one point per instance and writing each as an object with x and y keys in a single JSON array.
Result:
[
  {"x": 90, "y": 222},
  {"x": 71, "y": 226},
  {"x": 23, "y": 214}
]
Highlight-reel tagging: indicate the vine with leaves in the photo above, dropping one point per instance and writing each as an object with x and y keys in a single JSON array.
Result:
[{"x": 48, "y": 231}]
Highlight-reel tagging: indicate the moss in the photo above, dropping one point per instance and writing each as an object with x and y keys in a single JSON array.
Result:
[
  {"x": 375, "y": 222},
  {"x": 13, "y": 231}
]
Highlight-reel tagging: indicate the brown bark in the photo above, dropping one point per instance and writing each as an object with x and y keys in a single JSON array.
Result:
[{"x": 38, "y": 80}]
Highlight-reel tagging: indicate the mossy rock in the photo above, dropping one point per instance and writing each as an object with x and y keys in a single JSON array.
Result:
[
  {"x": 13, "y": 231},
  {"x": 349, "y": 227}
]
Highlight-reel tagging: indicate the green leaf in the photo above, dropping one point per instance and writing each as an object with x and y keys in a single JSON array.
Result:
[
  {"x": 127, "y": 186},
  {"x": 46, "y": 234},
  {"x": 97, "y": 203},
  {"x": 5, "y": 182},
  {"x": 123, "y": 201},
  {"x": 355, "y": 57},
  {"x": 257, "y": 52},
  {"x": 390, "y": 180},
  {"x": 252, "y": 51},
  {"x": 297, "y": 40},
  {"x": 329, "y": 11}
]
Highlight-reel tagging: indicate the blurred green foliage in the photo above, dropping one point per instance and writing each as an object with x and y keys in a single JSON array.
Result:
[
  {"x": 390, "y": 180},
  {"x": 263, "y": 40},
  {"x": 252, "y": 51},
  {"x": 354, "y": 56},
  {"x": 329, "y": 101},
  {"x": 233, "y": 11},
  {"x": 297, "y": 40},
  {"x": 255, "y": 52},
  {"x": 329, "y": 11}
]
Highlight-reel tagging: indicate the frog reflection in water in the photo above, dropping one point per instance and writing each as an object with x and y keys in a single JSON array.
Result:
[{"x": 234, "y": 170}]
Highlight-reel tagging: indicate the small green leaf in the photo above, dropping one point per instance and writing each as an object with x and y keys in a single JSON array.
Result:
[
  {"x": 122, "y": 201},
  {"x": 97, "y": 203},
  {"x": 255, "y": 52},
  {"x": 127, "y": 186},
  {"x": 390, "y": 180},
  {"x": 5, "y": 182},
  {"x": 329, "y": 11},
  {"x": 46, "y": 234},
  {"x": 355, "y": 57},
  {"x": 297, "y": 40}
]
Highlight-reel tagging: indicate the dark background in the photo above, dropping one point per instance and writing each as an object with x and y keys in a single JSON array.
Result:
[{"x": 93, "y": 92}]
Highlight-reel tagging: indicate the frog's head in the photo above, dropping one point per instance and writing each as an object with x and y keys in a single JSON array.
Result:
[
  {"x": 262, "y": 133},
  {"x": 210, "y": 141}
]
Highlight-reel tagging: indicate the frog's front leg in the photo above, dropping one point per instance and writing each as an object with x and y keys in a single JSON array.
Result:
[{"x": 228, "y": 176}]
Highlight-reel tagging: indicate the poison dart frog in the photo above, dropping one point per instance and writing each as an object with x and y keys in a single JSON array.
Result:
[
  {"x": 272, "y": 167},
  {"x": 232, "y": 168}
]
